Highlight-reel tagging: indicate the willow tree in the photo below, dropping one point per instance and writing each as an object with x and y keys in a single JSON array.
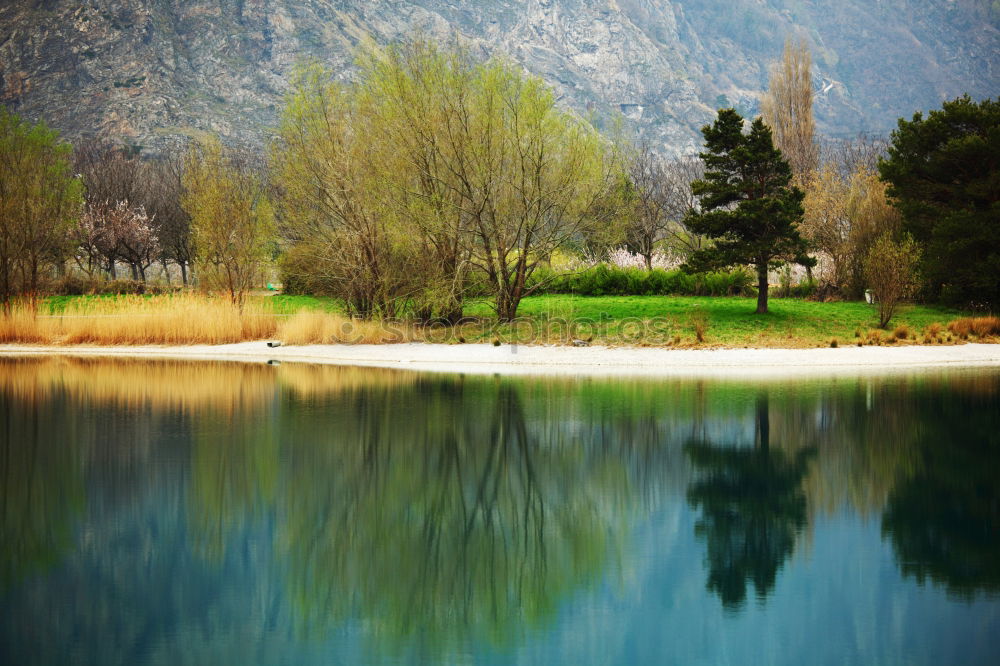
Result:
[
  {"x": 431, "y": 166},
  {"x": 534, "y": 177},
  {"x": 232, "y": 221},
  {"x": 787, "y": 109},
  {"x": 342, "y": 237}
]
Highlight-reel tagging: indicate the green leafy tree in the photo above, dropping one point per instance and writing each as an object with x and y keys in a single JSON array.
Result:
[
  {"x": 943, "y": 171},
  {"x": 430, "y": 167},
  {"x": 748, "y": 205},
  {"x": 39, "y": 201},
  {"x": 232, "y": 221}
]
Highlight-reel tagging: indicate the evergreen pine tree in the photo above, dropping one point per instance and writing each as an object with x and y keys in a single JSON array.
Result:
[{"x": 748, "y": 205}]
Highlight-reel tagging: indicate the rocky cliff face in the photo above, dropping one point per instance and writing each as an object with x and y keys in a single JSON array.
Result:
[{"x": 148, "y": 70}]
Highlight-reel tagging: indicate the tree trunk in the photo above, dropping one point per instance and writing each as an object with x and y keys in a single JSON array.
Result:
[
  {"x": 763, "y": 423},
  {"x": 184, "y": 272},
  {"x": 649, "y": 261},
  {"x": 762, "y": 288}
]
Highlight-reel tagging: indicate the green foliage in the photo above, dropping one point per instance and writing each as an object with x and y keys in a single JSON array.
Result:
[
  {"x": 232, "y": 220},
  {"x": 607, "y": 280},
  {"x": 889, "y": 269},
  {"x": 429, "y": 167},
  {"x": 39, "y": 201},
  {"x": 748, "y": 205},
  {"x": 944, "y": 172}
]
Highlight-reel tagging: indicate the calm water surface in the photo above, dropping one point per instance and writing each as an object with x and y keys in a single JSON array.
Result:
[{"x": 183, "y": 513}]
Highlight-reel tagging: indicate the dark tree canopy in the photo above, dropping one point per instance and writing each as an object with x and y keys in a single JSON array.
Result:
[
  {"x": 944, "y": 173},
  {"x": 748, "y": 205}
]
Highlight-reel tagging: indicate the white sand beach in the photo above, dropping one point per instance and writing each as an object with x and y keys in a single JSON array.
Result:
[{"x": 562, "y": 360}]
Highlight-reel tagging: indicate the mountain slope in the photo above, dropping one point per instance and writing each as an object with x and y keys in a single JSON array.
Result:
[{"x": 150, "y": 69}]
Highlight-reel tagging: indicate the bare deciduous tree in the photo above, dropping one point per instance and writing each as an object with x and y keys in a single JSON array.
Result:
[
  {"x": 162, "y": 200},
  {"x": 660, "y": 197}
]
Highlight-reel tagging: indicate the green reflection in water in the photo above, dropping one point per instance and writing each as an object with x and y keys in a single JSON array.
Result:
[
  {"x": 944, "y": 519},
  {"x": 438, "y": 515},
  {"x": 753, "y": 508},
  {"x": 441, "y": 512},
  {"x": 41, "y": 485}
]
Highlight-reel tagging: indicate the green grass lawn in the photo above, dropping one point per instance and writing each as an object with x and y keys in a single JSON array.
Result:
[
  {"x": 729, "y": 321},
  {"x": 646, "y": 320}
]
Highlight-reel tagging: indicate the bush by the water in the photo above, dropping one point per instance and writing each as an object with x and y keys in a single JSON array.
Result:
[{"x": 605, "y": 280}]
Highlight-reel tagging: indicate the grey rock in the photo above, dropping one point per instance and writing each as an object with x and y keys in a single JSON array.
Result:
[{"x": 151, "y": 71}]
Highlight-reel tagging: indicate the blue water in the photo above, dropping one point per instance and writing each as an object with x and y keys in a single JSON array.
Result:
[{"x": 174, "y": 513}]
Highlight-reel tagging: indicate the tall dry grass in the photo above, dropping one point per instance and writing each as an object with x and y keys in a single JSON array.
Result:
[
  {"x": 305, "y": 328},
  {"x": 981, "y": 327},
  {"x": 186, "y": 319},
  {"x": 137, "y": 320}
]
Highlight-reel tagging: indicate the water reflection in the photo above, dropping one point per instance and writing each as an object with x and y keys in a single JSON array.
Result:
[
  {"x": 41, "y": 487},
  {"x": 437, "y": 514},
  {"x": 432, "y": 517},
  {"x": 944, "y": 518},
  {"x": 753, "y": 508}
]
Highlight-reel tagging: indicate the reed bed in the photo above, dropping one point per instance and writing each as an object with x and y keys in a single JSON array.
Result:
[
  {"x": 306, "y": 328},
  {"x": 138, "y": 320},
  {"x": 186, "y": 319}
]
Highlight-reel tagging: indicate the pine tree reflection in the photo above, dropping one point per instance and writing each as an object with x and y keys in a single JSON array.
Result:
[{"x": 753, "y": 508}]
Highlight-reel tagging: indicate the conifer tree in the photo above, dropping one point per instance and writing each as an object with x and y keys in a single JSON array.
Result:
[{"x": 748, "y": 205}]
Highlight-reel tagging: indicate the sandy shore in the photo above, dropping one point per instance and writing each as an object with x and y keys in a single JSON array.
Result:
[{"x": 544, "y": 360}]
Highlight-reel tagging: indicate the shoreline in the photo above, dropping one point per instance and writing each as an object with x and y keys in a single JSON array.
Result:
[{"x": 561, "y": 360}]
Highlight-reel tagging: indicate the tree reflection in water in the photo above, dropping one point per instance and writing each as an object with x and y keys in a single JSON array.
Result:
[
  {"x": 753, "y": 508},
  {"x": 437, "y": 514},
  {"x": 41, "y": 486},
  {"x": 438, "y": 517},
  {"x": 944, "y": 520}
]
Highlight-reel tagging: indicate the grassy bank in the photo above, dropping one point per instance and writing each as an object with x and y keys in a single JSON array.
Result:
[{"x": 681, "y": 321}]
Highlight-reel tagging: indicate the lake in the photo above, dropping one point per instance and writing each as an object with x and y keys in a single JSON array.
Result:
[{"x": 158, "y": 512}]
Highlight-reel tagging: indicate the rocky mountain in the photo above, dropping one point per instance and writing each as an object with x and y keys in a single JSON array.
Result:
[{"x": 148, "y": 70}]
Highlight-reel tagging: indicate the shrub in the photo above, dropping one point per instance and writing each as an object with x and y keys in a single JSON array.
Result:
[
  {"x": 902, "y": 332},
  {"x": 985, "y": 326},
  {"x": 609, "y": 280},
  {"x": 889, "y": 269}
]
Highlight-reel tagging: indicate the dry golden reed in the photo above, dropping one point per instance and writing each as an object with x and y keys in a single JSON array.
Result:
[
  {"x": 307, "y": 328},
  {"x": 187, "y": 319},
  {"x": 138, "y": 320},
  {"x": 981, "y": 327}
]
